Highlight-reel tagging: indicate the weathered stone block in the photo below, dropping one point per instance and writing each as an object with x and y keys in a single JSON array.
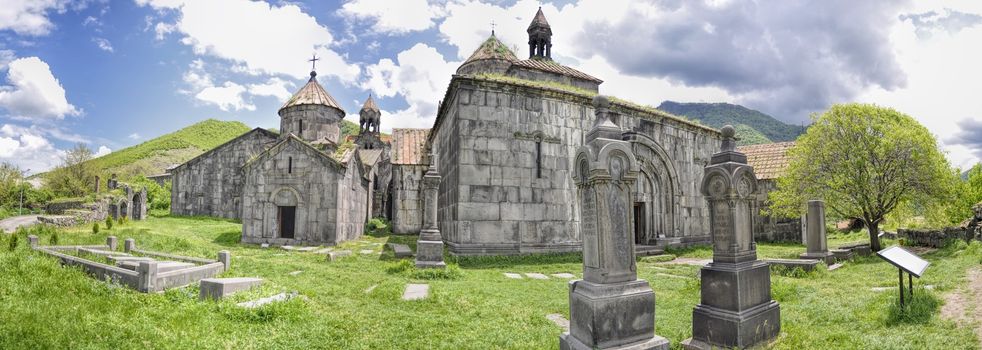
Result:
[{"x": 218, "y": 288}]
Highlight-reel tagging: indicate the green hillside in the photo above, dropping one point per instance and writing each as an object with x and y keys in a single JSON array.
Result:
[
  {"x": 153, "y": 156},
  {"x": 768, "y": 129}
]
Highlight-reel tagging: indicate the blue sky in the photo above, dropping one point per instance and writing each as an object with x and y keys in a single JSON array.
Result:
[{"x": 115, "y": 73}]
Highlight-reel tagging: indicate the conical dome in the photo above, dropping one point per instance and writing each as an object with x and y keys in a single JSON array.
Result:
[
  {"x": 491, "y": 57},
  {"x": 539, "y": 20},
  {"x": 370, "y": 105},
  {"x": 311, "y": 94}
]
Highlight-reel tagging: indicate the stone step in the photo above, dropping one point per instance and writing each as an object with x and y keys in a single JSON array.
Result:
[
  {"x": 218, "y": 288},
  {"x": 400, "y": 250},
  {"x": 647, "y": 250}
]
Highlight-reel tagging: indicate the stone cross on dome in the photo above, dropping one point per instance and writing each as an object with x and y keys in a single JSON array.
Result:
[{"x": 313, "y": 65}]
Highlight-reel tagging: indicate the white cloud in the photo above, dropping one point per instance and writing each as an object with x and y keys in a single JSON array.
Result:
[
  {"x": 420, "y": 75},
  {"x": 103, "y": 44},
  {"x": 29, "y": 17},
  {"x": 6, "y": 56},
  {"x": 267, "y": 39},
  {"x": 162, "y": 29},
  {"x": 103, "y": 150},
  {"x": 275, "y": 87},
  {"x": 34, "y": 92},
  {"x": 227, "y": 97},
  {"x": 27, "y": 149},
  {"x": 134, "y": 136},
  {"x": 393, "y": 17}
]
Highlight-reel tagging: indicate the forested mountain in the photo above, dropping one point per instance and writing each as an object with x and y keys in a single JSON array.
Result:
[{"x": 716, "y": 115}]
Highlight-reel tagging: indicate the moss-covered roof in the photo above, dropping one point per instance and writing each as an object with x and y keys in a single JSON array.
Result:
[{"x": 492, "y": 49}]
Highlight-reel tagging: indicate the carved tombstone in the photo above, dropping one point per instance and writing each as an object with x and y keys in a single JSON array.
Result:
[
  {"x": 610, "y": 307},
  {"x": 736, "y": 309},
  {"x": 815, "y": 238},
  {"x": 429, "y": 247}
]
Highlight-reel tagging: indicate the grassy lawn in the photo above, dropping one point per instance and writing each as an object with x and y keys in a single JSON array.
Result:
[{"x": 45, "y": 306}]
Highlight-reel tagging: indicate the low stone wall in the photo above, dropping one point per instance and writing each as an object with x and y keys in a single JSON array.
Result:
[
  {"x": 935, "y": 238},
  {"x": 71, "y": 213}
]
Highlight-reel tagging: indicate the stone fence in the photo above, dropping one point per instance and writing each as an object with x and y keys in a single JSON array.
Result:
[
  {"x": 145, "y": 277},
  {"x": 935, "y": 238}
]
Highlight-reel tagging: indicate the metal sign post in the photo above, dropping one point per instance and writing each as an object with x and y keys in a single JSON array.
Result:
[{"x": 904, "y": 260}]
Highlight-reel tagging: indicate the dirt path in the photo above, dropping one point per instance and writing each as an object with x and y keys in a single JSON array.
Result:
[
  {"x": 12, "y": 223},
  {"x": 965, "y": 306}
]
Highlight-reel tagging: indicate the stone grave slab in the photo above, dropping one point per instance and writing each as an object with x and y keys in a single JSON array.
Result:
[
  {"x": 804, "y": 264},
  {"x": 264, "y": 246},
  {"x": 260, "y": 302},
  {"x": 559, "y": 320},
  {"x": 306, "y": 249},
  {"x": 370, "y": 288},
  {"x": 162, "y": 266},
  {"x": 294, "y": 273},
  {"x": 537, "y": 276},
  {"x": 564, "y": 275},
  {"x": 288, "y": 247},
  {"x": 401, "y": 250},
  {"x": 834, "y": 267},
  {"x": 366, "y": 251},
  {"x": 332, "y": 256},
  {"x": 841, "y": 254},
  {"x": 513, "y": 275},
  {"x": 217, "y": 288},
  {"x": 115, "y": 259},
  {"x": 416, "y": 291},
  {"x": 101, "y": 252}
]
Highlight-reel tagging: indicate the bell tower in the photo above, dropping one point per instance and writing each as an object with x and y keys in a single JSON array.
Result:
[{"x": 540, "y": 37}]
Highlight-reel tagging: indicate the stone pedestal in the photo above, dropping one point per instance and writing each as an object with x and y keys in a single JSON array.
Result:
[
  {"x": 429, "y": 247},
  {"x": 736, "y": 309},
  {"x": 111, "y": 242},
  {"x": 610, "y": 308},
  {"x": 815, "y": 238}
]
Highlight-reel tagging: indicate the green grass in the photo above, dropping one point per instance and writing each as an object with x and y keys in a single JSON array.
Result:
[
  {"x": 153, "y": 156},
  {"x": 43, "y": 305}
]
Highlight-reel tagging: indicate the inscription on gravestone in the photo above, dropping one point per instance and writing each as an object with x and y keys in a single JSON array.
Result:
[
  {"x": 588, "y": 226},
  {"x": 721, "y": 225}
]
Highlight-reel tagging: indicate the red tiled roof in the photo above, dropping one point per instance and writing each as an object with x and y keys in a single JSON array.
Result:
[
  {"x": 553, "y": 67},
  {"x": 407, "y": 145},
  {"x": 769, "y": 160}
]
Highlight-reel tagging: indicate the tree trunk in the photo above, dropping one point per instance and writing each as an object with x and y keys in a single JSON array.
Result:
[{"x": 874, "y": 235}]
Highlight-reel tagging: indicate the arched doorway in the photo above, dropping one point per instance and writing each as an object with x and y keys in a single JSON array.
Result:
[
  {"x": 124, "y": 209},
  {"x": 137, "y": 208},
  {"x": 656, "y": 193}
]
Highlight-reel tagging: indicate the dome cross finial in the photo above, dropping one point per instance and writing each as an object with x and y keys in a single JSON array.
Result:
[{"x": 313, "y": 65}]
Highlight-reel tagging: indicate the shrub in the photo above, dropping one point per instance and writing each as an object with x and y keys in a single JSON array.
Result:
[
  {"x": 378, "y": 227},
  {"x": 95, "y": 228},
  {"x": 13, "y": 242},
  {"x": 54, "y": 239},
  {"x": 109, "y": 223}
]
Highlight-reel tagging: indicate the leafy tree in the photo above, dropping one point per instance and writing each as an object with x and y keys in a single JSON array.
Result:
[
  {"x": 864, "y": 161},
  {"x": 157, "y": 197},
  {"x": 76, "y": 176},
  {"x": 969, "y": 192}
]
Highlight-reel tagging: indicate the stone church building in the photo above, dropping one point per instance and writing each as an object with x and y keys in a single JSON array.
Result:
[
  {"x": 503, "y": 138},
  {"x": 301, "y": 186},
  {"x": 502, "y": 141}
]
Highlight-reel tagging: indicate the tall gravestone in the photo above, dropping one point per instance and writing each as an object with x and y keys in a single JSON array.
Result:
[
  {"x": 816, "y": 243},
  {"x": 736, "y": 309},
  {"x": 429, "y": 247},
  {"x": 610, "y": 308}
]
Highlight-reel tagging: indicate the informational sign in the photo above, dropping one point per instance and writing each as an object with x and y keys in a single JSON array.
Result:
[{"x": 905, "y": 260}]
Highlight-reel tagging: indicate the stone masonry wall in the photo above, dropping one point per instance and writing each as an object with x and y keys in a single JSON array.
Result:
[
  {"x": 774, "y": 229},
  {"x": 311, "y": 187},
  {"x": 407, "y": 198},
  {"x": 318, "y": 122},
  {"x": 211, "y": 184},
  {"x": 495, "y": 198},
  {"x": 352, "y": 203}
]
